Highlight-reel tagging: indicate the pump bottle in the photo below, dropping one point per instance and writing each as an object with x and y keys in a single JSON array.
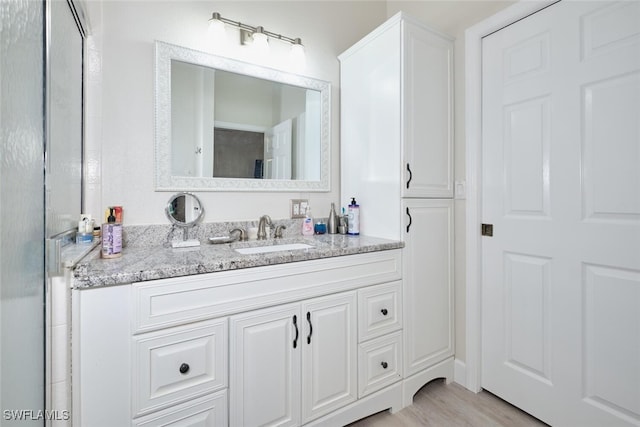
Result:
[{"x": 354, "y": 218}]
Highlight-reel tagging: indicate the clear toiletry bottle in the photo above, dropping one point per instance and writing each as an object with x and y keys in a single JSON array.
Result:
[{"x": 332, "y": 222}]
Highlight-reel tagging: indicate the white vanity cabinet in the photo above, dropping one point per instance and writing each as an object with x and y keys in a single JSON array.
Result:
[
  {"x": 274, "y": 345},
  {"x": 308, "y": 349},
  {"x": 396, "y": 107}
]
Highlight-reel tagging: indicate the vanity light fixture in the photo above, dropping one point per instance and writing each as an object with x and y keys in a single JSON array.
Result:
[{"x": 256, "y": 35}]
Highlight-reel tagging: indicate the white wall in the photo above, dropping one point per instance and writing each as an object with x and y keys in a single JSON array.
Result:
[
  {"x": 120, "y": 95},
  {"x": 248, "y": 101}
]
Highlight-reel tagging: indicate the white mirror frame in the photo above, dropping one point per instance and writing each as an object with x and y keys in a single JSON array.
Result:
[{"x": 164, "y": 181}]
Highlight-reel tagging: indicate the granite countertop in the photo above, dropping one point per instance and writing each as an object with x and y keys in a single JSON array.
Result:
[{"x": 139, "y": 264}]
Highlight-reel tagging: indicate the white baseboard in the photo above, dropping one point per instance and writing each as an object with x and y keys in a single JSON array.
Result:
[{"x": 460, "y": 372}]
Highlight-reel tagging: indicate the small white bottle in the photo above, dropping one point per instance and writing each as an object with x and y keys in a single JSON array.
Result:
[
  {"x": 354, "y": 218},
  {"x": 307, "y": 223}
]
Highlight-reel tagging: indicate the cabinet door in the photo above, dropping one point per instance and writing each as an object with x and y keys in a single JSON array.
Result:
[
  {"x": 428, "y": 113},
  {"x": 329, "y": 372},
  {"x": 265, "y": 348},
  {"x": 428, "y": 282}
]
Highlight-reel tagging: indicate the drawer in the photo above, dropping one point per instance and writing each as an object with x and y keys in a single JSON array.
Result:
[
  {"x": 178, "y": 364},
  {"x": 159, "y": 304},
  {"x": 379, "y": 309},
  {"x": 208, "y": 411},
  {"x": 379, "y": 363}
]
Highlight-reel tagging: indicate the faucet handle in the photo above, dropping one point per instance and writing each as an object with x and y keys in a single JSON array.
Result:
[
  {"x": 241, "y": 231},
  {"x": 277, "y": 234}
]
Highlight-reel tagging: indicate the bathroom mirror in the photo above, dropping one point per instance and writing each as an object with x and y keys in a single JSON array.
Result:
[
  {"x": 184, "y": 210},
  {"x": 227, "y": 125}
]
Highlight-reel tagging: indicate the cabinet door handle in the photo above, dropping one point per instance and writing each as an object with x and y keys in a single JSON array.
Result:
[
  {"x": 410, "y": 175},
  {"x": 410, "y": 220},
  {"x": 384, "y": 365},
  {"x": 310, "y": 327},
  {"x": 184, "y": 368},
  {"x": 295, "y": 323},
  {"x": 384, "y": 311}
]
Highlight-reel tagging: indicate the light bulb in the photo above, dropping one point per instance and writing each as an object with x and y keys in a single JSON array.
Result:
[
  {"x": 260, "y": 41},
  {"x": 297, "y": 55},
  {"x": 216, "y": 30}
]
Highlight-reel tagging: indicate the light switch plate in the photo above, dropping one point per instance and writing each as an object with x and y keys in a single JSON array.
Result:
[{"x": 299, "y": 208}]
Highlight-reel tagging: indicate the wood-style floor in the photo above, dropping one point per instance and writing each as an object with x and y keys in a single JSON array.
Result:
[{"x": 450, "y": 405}]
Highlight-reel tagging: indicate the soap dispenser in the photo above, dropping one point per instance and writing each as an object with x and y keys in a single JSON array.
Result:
[
  {"x": 111, "y": 237},
  {"x": 307, "y": 223},
  {"x": 353, "y": 227}
]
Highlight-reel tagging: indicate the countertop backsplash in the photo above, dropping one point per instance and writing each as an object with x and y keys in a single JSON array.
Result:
[{"x": 164, "y": 234}]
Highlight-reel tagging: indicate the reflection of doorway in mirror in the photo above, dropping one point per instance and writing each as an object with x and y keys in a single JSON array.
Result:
[
  {"x": 277, "y": 151},
  {"x": 192, "y": 107},
  {"x": 235, "y": 152}
]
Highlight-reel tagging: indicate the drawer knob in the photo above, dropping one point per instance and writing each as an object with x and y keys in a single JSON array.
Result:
[
  {"x": 384, "y": 311},
  {"x": 384, "y": 365},
  {"x": 184, "y": 368}
]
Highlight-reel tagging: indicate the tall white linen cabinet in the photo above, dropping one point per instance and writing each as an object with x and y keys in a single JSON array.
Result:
[{"x": 396, "y": 125}]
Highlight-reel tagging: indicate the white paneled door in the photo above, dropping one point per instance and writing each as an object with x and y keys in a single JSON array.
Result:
[
  {"x": 561, "y": 186},
  {"x": 277, "y": 151}
]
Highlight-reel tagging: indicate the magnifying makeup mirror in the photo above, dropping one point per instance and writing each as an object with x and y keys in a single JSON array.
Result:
[{"x": 185, "y": 210}]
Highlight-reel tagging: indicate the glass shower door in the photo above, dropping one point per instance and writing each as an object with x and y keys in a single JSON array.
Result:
[
  {"x": 21, "y": 213},
  {"x": 40, "y": 186}
]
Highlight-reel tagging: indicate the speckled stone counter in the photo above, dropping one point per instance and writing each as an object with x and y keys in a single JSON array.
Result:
[{"x": 141, "y": 263}]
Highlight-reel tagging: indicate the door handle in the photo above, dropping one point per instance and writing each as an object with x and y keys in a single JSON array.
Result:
[
  {"x": 410, "y": 220},
  {"x": 295, "y": 323},
  {"x": 410, "y": 175},
  {"x": 53, "y": 257},
  {"x": 310, "y": 327}
]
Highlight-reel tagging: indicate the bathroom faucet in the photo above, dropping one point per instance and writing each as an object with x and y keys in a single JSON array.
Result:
[
  {"x": 242, "y": 234},
  {"x": 264, "y": 221},
  {"x": 278, "y": 233}
]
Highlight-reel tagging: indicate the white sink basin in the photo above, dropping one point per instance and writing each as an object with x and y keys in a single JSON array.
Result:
[{"x": 273, "y": 248}]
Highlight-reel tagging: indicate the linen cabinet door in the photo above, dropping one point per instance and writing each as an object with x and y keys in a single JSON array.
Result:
[
  {"x": 329, "y": 359},
  {"x": 428, "y": 113},
  {"x": 265, "y": 348},
  {"x": 428, "y": 283}
]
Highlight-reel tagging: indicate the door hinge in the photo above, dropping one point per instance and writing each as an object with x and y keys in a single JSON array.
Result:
[{"x": 487, "y": 230}]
